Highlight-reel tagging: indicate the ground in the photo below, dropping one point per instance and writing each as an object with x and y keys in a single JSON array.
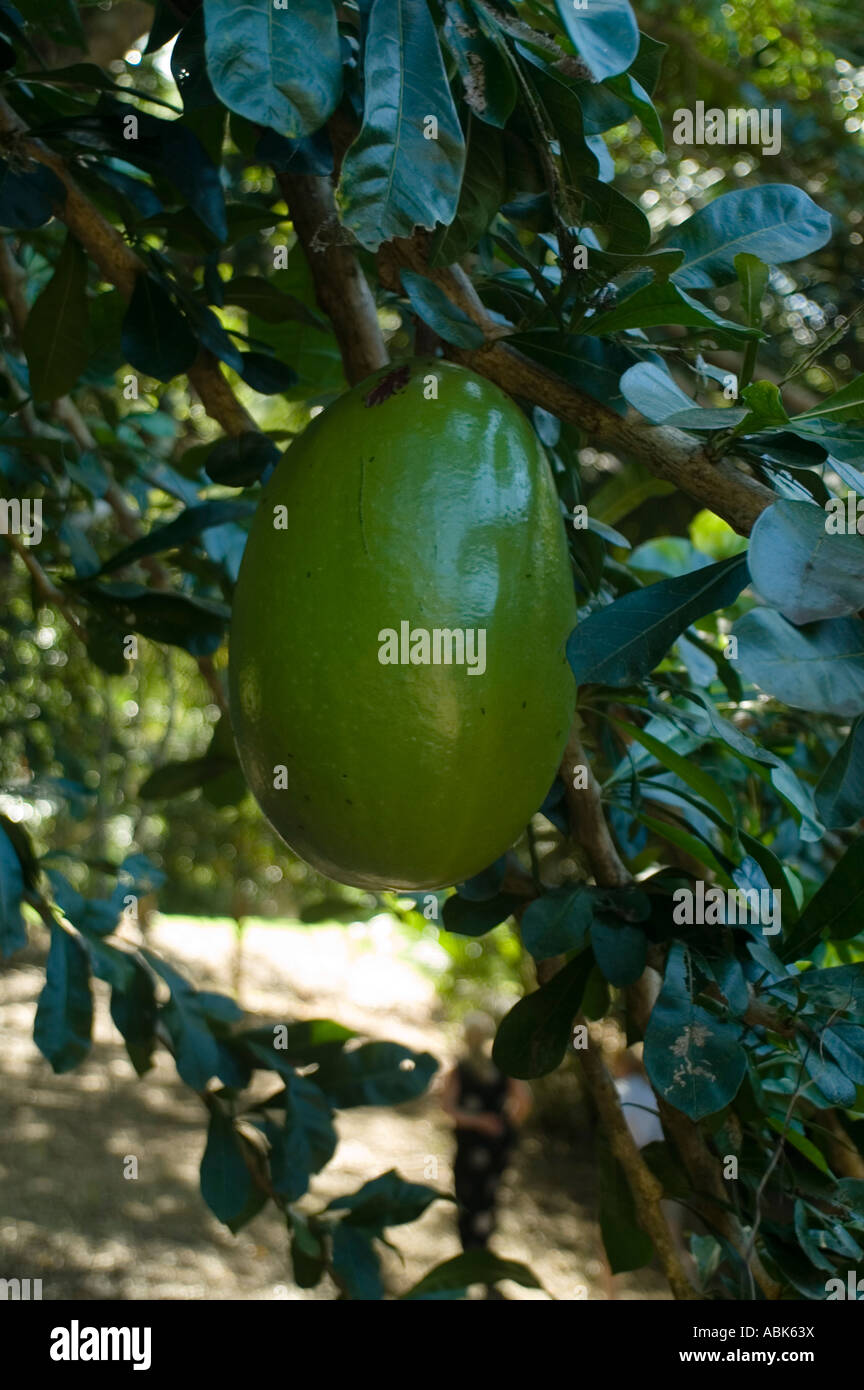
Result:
[{"x": 69, "y": 1217}]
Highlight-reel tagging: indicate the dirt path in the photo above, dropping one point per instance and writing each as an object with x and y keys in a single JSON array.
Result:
[{"x": 69, "y": 1217}]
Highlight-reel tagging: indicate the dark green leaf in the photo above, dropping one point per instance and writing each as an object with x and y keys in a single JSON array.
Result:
[
  {"x": 472, "y": 1267},
  {"x": 557, "y": 922},
  {"x": 376, "y": 1073},
  {"x": 355, "y": 1263},
  {"x": 835, "y": 910},
  {"x": 433, "y": 307},
  {"x": 776, "y": 222},
  {"x": 156, "y": 338},
  {"x": 240, "y": 459},
  {"x": 305, "y": 1142},
  {"x": 176, "y": 778},
  {"x": 28, "y": 197},
  {"x": 534, "y": 1036},
  {"x": 226, "y": 1182},
  {"x": 56, "y": 337},
  {"x": 266, "y": 374},
  {"x": 819, "y": 667},
  {"x": 488, "y": 79},
  {"x": 798, "y": 568},
  {"x": 480, "y": 196},
  {"x": 840, "y": 790},
  {"x": 622, "y": 643},
  {"x": 619, "y": 950},
  {"x": 387, "y": 1200},
  {"x": 259, "y": 296},
  {"x": 405, "y": 82},
  {"x": 627, "y": 1246},
  {"x": 661, "y": 305},
  {"x": 13, "y": 935},
  {"x": 604, "y": 32},
  {"x": 278, "y": 67},
  {"x": 64, "y": 1015},
  {"x": 468, "y": 917},
  {"x": 133, "y": 1009},
  {"x": 694, "y": 1059}
]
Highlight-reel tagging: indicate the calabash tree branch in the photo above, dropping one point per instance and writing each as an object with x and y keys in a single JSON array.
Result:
[
  {"x": 668, "y": 453},
  {"x": 121, "y": 266},
  {"x": 341, "y": 287}
]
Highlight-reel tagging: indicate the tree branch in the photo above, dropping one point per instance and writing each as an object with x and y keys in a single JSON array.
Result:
[
  {"x": 121, "y": 266},
  {"x": 666, "y": 452},
  {"x": 340, "y": 285}
]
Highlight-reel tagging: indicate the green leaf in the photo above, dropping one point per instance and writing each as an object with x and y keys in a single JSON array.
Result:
[
  {"x": 840, "y": 790},
  {"x": 619, "y": 950},
  {"x": 156, "y": 336},
  {"x": 197, "y": 1055},
  {"x": 467, "y": 917},
  {"x": 603, "y": 205},
  {"x": 592, "y": 364},
  {"x": 753, "y": 276},
  {"x": 623, "y": 642},
  {"x": 634, "y": 94},
  {"x": 64, "y": 1014},
  {"x": 818, "y": 667},
  {"x": 653, "y": 392},
  {"x": 433, "y": 307},
  {"x": 13, "y": 934},
  {"x": 192, "y": 522},
  {"x": 385, "y": 1201},
  {"x": 240, "y": 459},
  {"x": 604, "y": 33},
  {"x": 29, "y": 196},
  {"x": 557, "y": 922},
  {"x": 627, "y": 1246},
  {"x": 694, "y": 1059},
  {"x": 800, "y": 569},
  {"x": 775, "y": 222},
  {"x": 355, "y": 1263},
  {"x": 376, "y": 1073},
  {"x": 845, "y": 404},
  {"x": 176, "y": 778},
  {"x": 835, "y": 910},
  {"x": 488, "y": 79},
  {"x": 133, "y": 1010},
  {"x": 226, "y": 1182},
  {"x": 195, "y": 624},
  {"x": 254, "y": 62},
  {"x": 405, "y": 82},
  {"x": 307, "y": 1253},
  {"x": 661, "y": 305},
  {"x": 259, "y": 296},
  {"x": 480, "y": 196},
  {"x": 533, "y": 1037},
  {"x": 472, "y": 1267},
  {"x": 306, "y": 1141},
  {"x": 266, "y": 374},
  {"x": 691, "y": 774},
  {"x": 56, "y": 337}
]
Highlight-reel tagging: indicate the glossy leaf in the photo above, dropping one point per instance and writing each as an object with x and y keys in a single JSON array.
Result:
[
  {"x": 840, "y": 790},
  {"x": 488, "y": 79},
  {"x": 405, "y": 82},
  {"x": 433, "y": 306},
  {"x": 817, "y": 667},
  {"x": 255, "y": 65},
  {"x": 557, "y": 922},
  {"x": 800, "y": 569},
  {"x": 157, "y": 339},
  {"x": 13, "y": 935},
  {"x": 774, "y": 221},
  {"x": 376, "y": 1073},
  {"x": 622, "y": 643},
  {"x": 604, "y": 33}
]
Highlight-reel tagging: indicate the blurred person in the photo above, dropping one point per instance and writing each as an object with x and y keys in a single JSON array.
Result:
[{"x": 487, "y": 1108}]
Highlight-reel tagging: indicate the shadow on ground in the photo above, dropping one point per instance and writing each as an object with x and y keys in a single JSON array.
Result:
[{"x": 69, "y": 1216}]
